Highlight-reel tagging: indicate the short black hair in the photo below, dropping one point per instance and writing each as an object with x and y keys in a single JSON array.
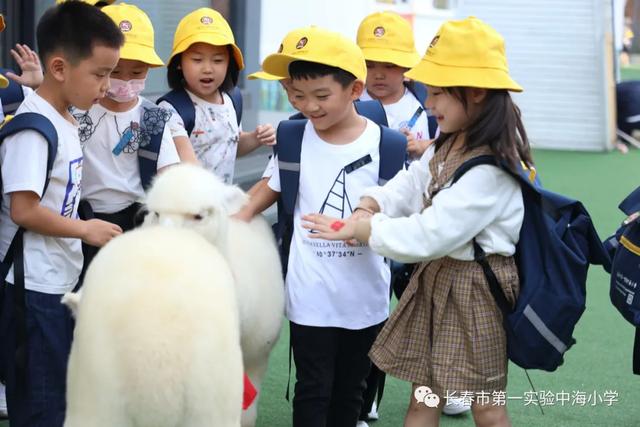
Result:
[
  {"x": 75, "y": 27},
  {"x": 312, "y": 70},
  {"x": 176, "y": 81}
]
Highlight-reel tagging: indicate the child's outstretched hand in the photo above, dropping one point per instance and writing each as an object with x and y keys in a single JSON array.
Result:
[
  {"x": 328, "y": 228},
  {"x": 415, "y": 147},
  {"x": 29, "y": 63},
  {"x": 266, "y": 134}
]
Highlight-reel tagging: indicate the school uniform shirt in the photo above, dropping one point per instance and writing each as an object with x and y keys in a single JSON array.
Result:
[
  {"x": 486, "y": 203},
  {"x": 52, "y": 264},
  {"x": 329, "y": 283},
  {"x": 111, "y": 181},
  {"x": 215, "y": 134},
  {"x": 400, "y": 112}
]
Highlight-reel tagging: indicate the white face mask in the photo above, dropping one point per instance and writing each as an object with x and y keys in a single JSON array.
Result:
[{"x": 125, "y": 90}]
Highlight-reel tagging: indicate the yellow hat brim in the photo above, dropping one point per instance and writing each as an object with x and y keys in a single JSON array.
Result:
[
  {"x": 208, "y": 38},
  {"x": 438, "y": 75},
  {"x": 263, "y": 75},
  {"x": 4, "y": 82},
  {"x": 278, "y": 64},
  {"x": 396, "y": 57},
  {"x": 141, "y": 53}
]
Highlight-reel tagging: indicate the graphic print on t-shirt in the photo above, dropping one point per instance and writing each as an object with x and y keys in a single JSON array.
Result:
[
  {"x": 337, "y": 201},
  {"x": 72, "y": 190}
]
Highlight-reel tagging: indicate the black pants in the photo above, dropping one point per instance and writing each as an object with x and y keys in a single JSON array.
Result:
[
  {"x": 128, "y": 218},
  {"x": 331, "y": 367}
]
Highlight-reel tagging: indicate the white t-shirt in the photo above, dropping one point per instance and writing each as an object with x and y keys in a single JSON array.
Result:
[
  {"x": 399, "y": 114},
  {"x": 485, "y": 204},
  {"x": 329, "y": 283},
  {"x": 111, "y": 182},
  {"x": 215, "y": 134},
  {"x": 52, "y": 264}
]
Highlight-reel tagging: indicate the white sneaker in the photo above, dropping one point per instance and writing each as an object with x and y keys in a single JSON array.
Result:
[
  {"x": 362, "y": 424},
  {"x": 455, "y": 407},
  {"x": 373, "y": 414},
  {"x": 3, "y": 404}
]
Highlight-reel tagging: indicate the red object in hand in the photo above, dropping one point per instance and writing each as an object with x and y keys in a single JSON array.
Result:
[
  {"x": 249, "y": 394},
  {"x": 337, "y": 225}
]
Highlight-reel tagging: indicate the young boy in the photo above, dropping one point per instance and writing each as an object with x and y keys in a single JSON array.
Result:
[
  {"x": 386, "y": 40},
  {"x": 337, "y": 296},
  {"x": 112, "y": 132},
  {"x": 79, "y": 46}
]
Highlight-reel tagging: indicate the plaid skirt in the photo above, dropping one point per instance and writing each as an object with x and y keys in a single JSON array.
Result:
[{"x": 446, "y": 332}]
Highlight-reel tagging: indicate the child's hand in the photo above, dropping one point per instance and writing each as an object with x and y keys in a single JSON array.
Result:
[
  {"x": 416, "y": 147},
  {"x": 98, "y": 232},
  {"x": 29, "y": 63},
  {"x": 328, "y": 228},
  {"x": 266, "y": 134}
]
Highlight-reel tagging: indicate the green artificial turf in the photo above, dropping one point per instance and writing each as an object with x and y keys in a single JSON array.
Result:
[{"x": 600, "y": 362}]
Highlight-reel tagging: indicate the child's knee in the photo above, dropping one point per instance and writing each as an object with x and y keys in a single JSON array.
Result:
[{"x": 490, "y": 415}]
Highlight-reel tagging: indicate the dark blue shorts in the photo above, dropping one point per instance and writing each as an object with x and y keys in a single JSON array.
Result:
[{"x": 41, "y": 403}]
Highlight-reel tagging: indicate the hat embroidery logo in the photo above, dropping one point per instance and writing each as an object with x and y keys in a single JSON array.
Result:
[
  {"x": 281, "y": 48},
  {"x": 206, "y": 20},
  {"x": 379, "y": 32},
  {"x": 302, "y": 43},
  {"x": 125, "y": 26},
  {"x": 434, "y": 41}
]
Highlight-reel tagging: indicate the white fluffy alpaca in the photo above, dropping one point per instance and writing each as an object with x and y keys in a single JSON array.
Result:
[
  {"x": 156, "y": 342},
  {"x": 189, "y": 196}
]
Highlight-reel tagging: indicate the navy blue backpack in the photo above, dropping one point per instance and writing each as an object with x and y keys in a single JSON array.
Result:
[
  {"x": 180, "y": 100},
  {"x": 624, "y": 249},
  {"x": 12, "y": 95},
  {"x": 420, "y": 92},
  {"x": 557, "y": 244},
  {"x": 393, "y": 154},
  {"x": 15, "y": 256}
]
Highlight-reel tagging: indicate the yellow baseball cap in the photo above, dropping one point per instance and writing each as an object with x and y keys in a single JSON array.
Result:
[
  {"x": 3, "y": 80},
  {"x": 467, "y": 53},
  {"x": 388, "y": 37},
  {"x": 323, "y": 47},
  {"x": 287, "y": 45},
  {"x": 205, "y": 25},
  {"x": 138, "y": 33}
]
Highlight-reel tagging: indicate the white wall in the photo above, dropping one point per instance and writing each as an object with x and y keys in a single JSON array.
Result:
[{"x": 561, "y": 53}]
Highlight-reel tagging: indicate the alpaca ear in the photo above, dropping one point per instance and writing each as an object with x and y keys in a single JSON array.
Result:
[{"x": 234, "y": 198}]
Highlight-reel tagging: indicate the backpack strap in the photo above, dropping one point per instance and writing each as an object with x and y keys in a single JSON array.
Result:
[
  {"x": 152, "y": 123},
  {"x": 180, "y": 100},
  {"x": 289, "y": 147},
  {"x": 373, "y": 110},
  {"x": 15, "y": 253},
  {"x": 419, "y": 90},
  {"x": 236, "y": 100},
  {"x": 11, "y": 96},
  {"x": 631, "y": 203},
  {"x": 393, "y": 154}
]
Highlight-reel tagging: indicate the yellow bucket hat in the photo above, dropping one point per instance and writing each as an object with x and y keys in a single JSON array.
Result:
[
  {"x": 388, "y": 37},
  {"x": 326, "y": 47},
  {"x": 205, "y": 25},
  {"x": 287, "y": 45},
  {"x": 138, "y": 33},
  {"x": 3, "y": 80},
  {"x": 466, "y": 53}
]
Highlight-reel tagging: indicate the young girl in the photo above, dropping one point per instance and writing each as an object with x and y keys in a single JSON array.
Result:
[
  {"x": 446, "y": 334},
  {"x": 205, "y": 64},
  {"x": 386, "y": 40}
]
